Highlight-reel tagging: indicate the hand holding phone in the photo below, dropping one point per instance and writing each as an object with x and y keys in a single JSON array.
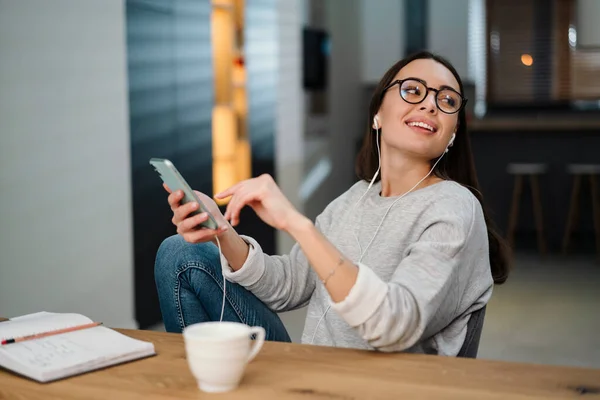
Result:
[{"x": 197, "y": 216}]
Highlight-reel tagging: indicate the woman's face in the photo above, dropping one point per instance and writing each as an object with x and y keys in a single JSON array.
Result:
[{"x": 419, "y": 129}]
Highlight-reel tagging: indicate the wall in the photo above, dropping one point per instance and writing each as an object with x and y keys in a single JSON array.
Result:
[
  {"x": 345, "y": 102},
  {"x": 585, "y": 59},
  {"x": 448, "y": 32},
  {"x": 361, "y": 52},
  {"x": 65, "y": 220},
  {"x": 289, "y": 137},
  {"x": 382, "y": 36},
  {"x": 477, "y": 57},
  {"x": 588, "y": 29},
  {"x": 297, "y": 153},
  {"x": 289, "y": 128}
]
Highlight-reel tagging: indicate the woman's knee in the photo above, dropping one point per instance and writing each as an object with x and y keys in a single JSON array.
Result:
[{"x": 174, "y": 253}]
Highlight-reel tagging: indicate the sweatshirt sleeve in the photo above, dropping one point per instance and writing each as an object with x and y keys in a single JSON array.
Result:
[
  {"x": 283, "y": 282},
  {"x": 423, "y": 294}
]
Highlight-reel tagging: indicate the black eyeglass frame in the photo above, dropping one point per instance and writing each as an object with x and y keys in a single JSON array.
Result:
[{"x": 399, "y": 82}]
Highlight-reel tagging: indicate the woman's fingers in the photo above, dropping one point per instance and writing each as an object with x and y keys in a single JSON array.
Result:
[
  {"x": 182, "y": 212},
  {"x": 241, "y": 194},
  {"x": 187, "y": 229},
  {"x": 230, "y": 191},
  {"x": 241, "y": 200},
  {"x": 234, "y": 204},
  {"x": 187, "y": 226},
  {"x": 200, "y": 236},
  {"x": 174, "y": 199},
  {"x": 236, "y": 207},
  {"x": 190, "y": 224},
  {"x": 235, "y": 196}
]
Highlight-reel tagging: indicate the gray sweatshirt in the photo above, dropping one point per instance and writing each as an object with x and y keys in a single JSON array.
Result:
[{"x": 426, "y": 270}]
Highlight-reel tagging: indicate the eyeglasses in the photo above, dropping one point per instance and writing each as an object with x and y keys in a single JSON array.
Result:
[{"x": 414, "y": 91}]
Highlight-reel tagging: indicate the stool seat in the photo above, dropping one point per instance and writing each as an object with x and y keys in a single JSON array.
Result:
[
  {"x": 526, "y": 169},
  {"x": 586, "y": 169}
]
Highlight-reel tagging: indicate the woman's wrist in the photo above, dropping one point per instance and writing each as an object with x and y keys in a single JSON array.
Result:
[
  {"x": 234, "y": 248},
  {"x": 298, "y": 224}
]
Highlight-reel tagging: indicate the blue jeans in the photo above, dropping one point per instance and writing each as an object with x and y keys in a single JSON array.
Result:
[{"x": 190, "y": 290}]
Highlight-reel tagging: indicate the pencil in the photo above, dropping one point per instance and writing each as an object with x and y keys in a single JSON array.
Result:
[{"x": 50, "y": 333}]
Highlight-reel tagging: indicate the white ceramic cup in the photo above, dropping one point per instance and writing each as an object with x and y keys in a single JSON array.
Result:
[{"x": 218, "y": 352}]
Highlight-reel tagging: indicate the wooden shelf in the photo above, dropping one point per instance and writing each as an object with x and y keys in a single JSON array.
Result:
[
  {"x": 231, "y": 149},
  {"x": 223, "y": 4}
]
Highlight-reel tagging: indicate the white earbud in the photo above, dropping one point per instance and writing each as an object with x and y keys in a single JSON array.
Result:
[
  {"x": 451, "y": 142},
  {"x": 377, "y": 128}
]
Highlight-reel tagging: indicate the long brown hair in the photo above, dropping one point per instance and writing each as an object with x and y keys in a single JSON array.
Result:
[{"x": 457, "y": 165}]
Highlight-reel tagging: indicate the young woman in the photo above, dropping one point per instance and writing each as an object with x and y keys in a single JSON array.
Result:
[{"x": 399, "y": 262}]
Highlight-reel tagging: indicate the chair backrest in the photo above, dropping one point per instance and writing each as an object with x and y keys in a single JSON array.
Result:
[{"x": 474, "y": 327}]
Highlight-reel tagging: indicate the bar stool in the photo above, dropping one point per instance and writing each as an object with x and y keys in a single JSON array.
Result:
[
  {"x": 579, "y": 171},
  {"x": 533, "y": 171}
]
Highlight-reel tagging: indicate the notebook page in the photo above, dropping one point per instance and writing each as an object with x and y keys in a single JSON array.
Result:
[
  {"x": 31, "y": 316},
  {"x": 79, "y": 348},
  {"x": 40, "y": 323}
]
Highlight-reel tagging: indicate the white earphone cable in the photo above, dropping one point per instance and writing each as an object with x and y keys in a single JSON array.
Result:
[
  {"x": 223, "y": 274},
  {"x": 395, "y": 201},
  {"x": 379, "y": 157},
  {"x": 366, "y": 191}
]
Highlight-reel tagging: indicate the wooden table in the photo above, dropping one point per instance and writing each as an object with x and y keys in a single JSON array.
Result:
[{"x": 293, "y": 371}]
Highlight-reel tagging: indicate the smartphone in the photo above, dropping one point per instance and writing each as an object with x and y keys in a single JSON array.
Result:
[{"x": 173, "y": 179}]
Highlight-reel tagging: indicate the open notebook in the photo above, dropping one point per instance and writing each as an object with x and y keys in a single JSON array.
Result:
[{"x": 66, "y": 354}]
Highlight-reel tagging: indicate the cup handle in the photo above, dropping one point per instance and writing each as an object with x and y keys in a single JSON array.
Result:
[{"x": 258, "y": 342}]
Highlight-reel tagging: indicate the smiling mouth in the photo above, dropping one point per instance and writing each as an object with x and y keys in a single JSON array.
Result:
[{"x": 422, "y": 125}]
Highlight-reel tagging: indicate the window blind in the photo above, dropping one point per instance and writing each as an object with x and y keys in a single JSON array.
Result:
[{"x": 531, "y": 52}]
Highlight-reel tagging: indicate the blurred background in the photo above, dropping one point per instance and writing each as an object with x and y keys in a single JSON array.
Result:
[{"x": 230, "y": 89}]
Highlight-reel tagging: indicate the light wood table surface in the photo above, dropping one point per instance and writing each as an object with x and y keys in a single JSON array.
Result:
[{"x": 293, "y": 371}]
